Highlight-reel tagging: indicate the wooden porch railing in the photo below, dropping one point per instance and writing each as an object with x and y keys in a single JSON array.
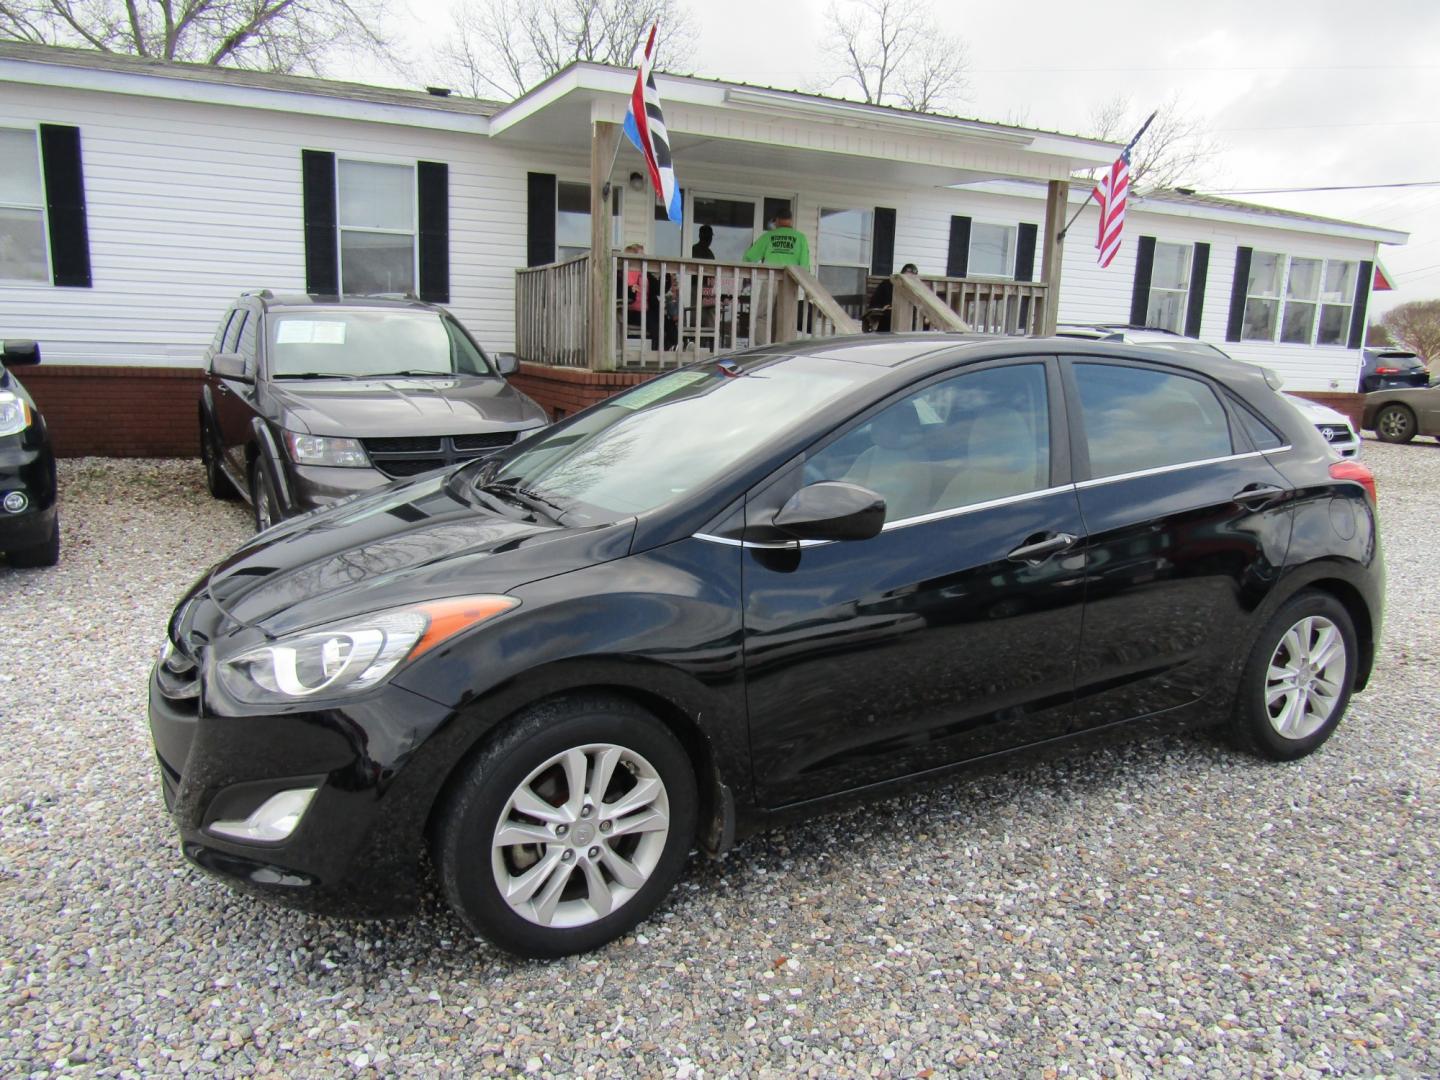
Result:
[
  {"x": 552, "y": 314},
  {"x": 987, "y": 306},
  {"x": 668, "y": 312}
]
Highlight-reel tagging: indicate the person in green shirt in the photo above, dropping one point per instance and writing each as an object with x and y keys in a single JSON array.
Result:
[{"x": 780, "y": 245}]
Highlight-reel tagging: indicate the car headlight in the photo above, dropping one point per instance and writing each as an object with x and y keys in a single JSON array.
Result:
[
  {"x": 325, "y": 450},
  {"x": 15, "y": 415},
  {"x": 351, "y": 655}
]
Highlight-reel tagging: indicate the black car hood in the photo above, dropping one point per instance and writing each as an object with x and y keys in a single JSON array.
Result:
[
  {"x": 422, "y": 540},
  {"x": 379, "y": 408}
]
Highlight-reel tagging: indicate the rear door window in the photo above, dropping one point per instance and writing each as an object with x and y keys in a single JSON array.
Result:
[{"x": 1139, "y": 418}]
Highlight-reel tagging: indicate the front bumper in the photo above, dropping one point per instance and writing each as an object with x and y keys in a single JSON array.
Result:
[
  {"x": 30, "y": 471},
  {"x": 310, "y": 487},
  {"x": 356, "y": 849}
]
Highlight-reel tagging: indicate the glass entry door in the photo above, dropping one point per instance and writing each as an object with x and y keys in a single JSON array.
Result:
[{"x": 733, "y": 220}]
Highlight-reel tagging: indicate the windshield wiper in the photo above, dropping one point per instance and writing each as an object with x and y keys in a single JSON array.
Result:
[
  {"x": 413, "y": 374},
  {"x": 314, "y": 375},
  {"x": 511, "y": 486}
]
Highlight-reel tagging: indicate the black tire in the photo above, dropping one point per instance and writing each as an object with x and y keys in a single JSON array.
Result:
[
  {"x": 1257, "y": 721},
  {"x": 263, "y": 502},
  {"x": 45, "y": 553},
  {"x": 1395, "y": 424},
  {"x": 470, "y": 862},
  {"x": 216, "y": 482}
]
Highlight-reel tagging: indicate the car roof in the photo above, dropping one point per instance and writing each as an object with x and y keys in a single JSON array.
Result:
[
  {"x": 311, "y": 301},
  {"x": 908, "y": 356}
]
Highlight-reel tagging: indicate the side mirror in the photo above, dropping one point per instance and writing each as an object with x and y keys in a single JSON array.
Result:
[
  {"x": 229, "y": 365},
  {"x": 19, "y": 353},
  {"x": 507, "y": 362},
  {"x": 832, "y": 510}
]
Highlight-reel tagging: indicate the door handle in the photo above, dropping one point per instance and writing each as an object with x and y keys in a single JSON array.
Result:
[
  {"x": 1041, "y": 550},
  {"x": 1255, "y": 496}
]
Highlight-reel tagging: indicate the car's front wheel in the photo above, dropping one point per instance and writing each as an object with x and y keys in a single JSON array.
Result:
[
  {"x": 262, "y": 498},
  {"x": 1395, "y": 424},
  {"x": 569, "y": 829},
  {"x": 1297, "y": 680}
]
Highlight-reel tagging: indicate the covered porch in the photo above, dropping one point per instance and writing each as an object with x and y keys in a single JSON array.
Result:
[{"x": 872, "y": 188}]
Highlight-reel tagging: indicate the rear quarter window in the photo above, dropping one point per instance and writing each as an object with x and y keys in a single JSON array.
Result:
[{"x": 1141, "y": 418}]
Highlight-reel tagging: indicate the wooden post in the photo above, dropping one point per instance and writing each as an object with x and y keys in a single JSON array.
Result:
[
  {"x": 1057, "y": 201},
  {"x": 783, "y": 291},
  {"x": 604, "y": 142}
]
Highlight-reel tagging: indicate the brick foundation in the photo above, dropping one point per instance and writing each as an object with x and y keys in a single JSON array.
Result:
[
  {"x": 561, "y": 392},
  {"x": 117, "y": 411}
]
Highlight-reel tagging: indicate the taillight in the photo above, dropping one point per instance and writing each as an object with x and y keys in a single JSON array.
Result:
[
  {"x": 1387, "y": 371},
  {"x": 1349, "y": 469}
]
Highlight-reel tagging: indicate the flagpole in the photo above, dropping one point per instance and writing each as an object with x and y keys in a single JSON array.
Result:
[{"x": 1128, "y": 147}]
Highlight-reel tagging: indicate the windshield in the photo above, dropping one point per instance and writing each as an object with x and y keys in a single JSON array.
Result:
[
  {"x": 675, "y": 434},
  {"x": 367, "y": 344}
]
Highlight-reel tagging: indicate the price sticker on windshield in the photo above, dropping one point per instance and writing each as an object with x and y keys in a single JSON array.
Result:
[{"x": 309, "y": 332}]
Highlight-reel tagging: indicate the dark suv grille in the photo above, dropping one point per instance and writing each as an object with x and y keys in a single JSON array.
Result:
[{"x": 412, "y": 455}]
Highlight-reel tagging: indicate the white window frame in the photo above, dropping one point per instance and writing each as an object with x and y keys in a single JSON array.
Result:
[
  {"x": 691, "y": 235},
  {"x": 413, "y": 232},
  {"x": 617, "y": 217},
  {"x": 1319, "y": 304},
  {"x": 49, "y": 277},
  {"x": 1012, "y": 245},
  {"x": 863, "y": 267},
  {"x": 1183, "y": 293}
]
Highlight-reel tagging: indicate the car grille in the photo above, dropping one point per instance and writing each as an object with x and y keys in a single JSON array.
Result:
[
  {"x": 1334, "y": 433},
  {"x": 415, "y": 454}
]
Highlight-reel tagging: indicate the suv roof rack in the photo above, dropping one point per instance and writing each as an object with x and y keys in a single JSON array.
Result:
[{"x": 263, "y": 294}]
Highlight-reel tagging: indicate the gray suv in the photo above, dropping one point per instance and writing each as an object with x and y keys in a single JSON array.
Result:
[{"x": 307, "y": 400}]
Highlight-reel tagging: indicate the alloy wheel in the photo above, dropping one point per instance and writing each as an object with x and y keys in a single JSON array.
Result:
[
  {"x": 581, "y": 835},
  {"x": 1306, "y": 677},
  {"x": 1394, "y": 424}
]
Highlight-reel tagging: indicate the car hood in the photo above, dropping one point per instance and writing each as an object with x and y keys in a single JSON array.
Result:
[
  {"x": 422, "y": 540},
  {"x": 377, "y": 408}
]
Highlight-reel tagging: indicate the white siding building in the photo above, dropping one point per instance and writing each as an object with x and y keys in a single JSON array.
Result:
[{"x": 138, "y": 199}]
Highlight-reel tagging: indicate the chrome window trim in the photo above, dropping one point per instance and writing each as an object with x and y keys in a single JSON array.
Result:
[{"x": 1160, "y": 469}]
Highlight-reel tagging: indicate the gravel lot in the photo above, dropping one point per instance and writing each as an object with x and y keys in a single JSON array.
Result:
[{"x": 1168, "y": 907}]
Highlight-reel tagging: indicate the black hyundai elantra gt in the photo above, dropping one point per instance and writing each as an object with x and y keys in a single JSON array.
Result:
[{"x": 745, "y": 588}]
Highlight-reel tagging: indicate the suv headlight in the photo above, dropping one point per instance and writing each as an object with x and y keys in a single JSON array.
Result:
[
  {"x": 325, "y": 450},
  {"x": 15, "y": 414},
  {"x": 351, "y": 655}
]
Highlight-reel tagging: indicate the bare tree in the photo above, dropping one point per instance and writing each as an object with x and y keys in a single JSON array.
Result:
[
  {"x": 270, "y": 35},
  {"x": 1416, "y": 326},
  {"x": 1177, "y": 149},
  {"x": 504, "y": 47},
  {"x": 892, "y": 52}
]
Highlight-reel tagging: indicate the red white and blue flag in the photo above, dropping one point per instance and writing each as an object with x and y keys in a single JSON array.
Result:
[
  {"x": 645, "y": 125},
  {"x": 1110, "y": 195}
]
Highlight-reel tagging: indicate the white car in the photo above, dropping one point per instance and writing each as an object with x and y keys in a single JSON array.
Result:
[{"x": 1339, "y": 432}]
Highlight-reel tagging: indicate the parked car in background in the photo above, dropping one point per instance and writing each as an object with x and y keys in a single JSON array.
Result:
[
  {"x": 1387, "y": 368},
  {"x": 307, "y": 400},
  {"x": 744, "y": 588},
  {"x": 1334, "y": 426},
  {"x": 1397, "y": 416},
  {"x": 29, "y": 514}
]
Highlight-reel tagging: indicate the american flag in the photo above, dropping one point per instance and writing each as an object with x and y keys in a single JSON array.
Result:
[
  {"x": 645, "y": 125},
  {"x": 1110, "y": 196}
]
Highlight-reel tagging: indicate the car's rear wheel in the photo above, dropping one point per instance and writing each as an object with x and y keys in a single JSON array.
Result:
[
  {"x": 1395, "y": 424},
  {"x": 45, "y": 553},
  {"x": 1297, "y": 681},
  {"x": 216, "y": 482},
  {"x": 262, "y": 498},
  {"x": 569, "y": 829}
]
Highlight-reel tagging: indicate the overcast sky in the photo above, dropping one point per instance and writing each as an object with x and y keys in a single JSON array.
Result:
[{"x": 1299, "y": 94}]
